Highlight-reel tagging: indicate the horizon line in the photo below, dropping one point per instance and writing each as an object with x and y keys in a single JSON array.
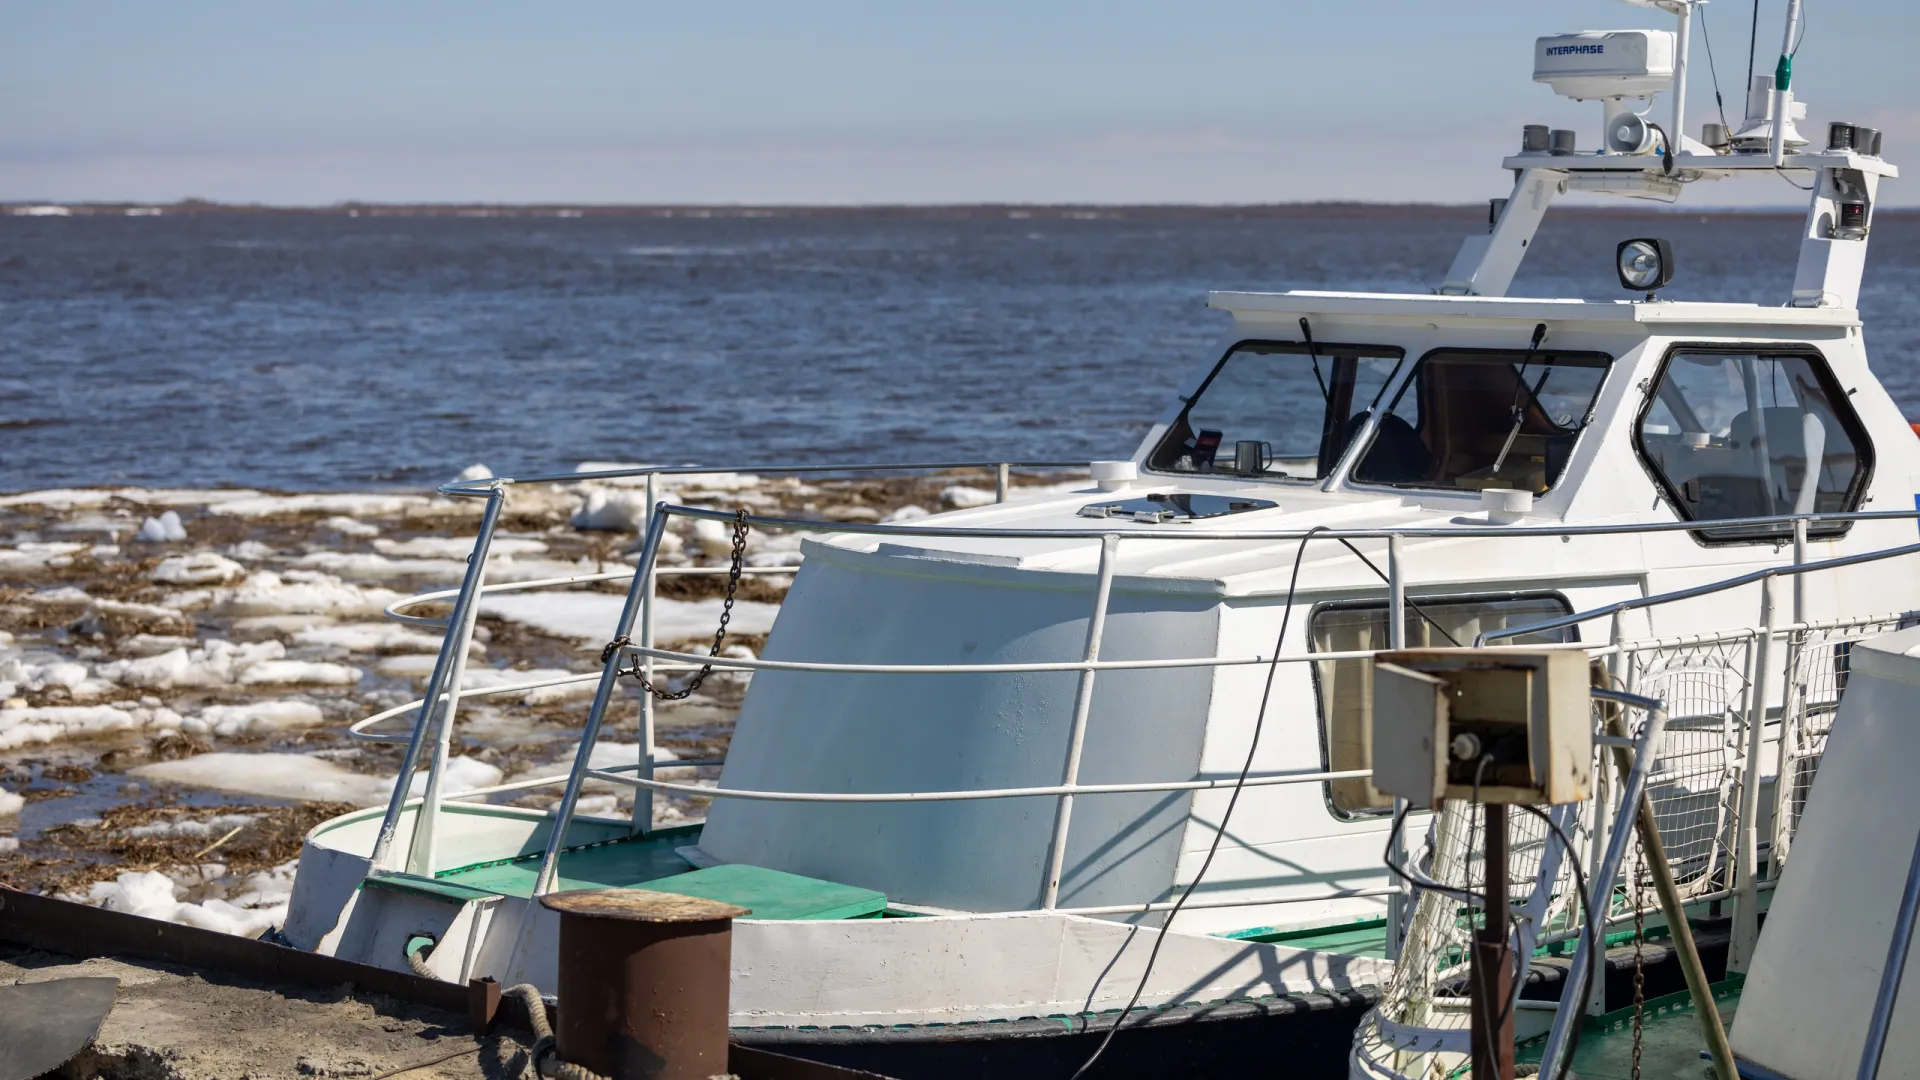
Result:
[{"x": 1007, "y": 209}]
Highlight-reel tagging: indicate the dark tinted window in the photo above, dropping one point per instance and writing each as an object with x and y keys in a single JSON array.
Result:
[
  {"x": 1474, "y": 420},
  {"x": 1734, "y": 435},
  {"x": 1297, "y": 406}
]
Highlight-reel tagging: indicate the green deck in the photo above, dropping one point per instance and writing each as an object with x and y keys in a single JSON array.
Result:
[
  {"x": 1366, "y": 937},
  {"x": 1670, "y": 1045},
  {"x": 612, "y": 865},
  {"x": 651, "y": 862}
]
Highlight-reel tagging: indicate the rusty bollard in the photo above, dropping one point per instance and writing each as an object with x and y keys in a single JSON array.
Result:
[{"x": 643, "y": 982}]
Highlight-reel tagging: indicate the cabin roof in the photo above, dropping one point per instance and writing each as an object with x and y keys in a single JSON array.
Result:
[{"x": 1621, "y": 314}]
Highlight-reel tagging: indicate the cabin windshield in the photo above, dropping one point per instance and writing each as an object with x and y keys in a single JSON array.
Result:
[
  {"x": 1474, "y": 419},
  {"x": 1275, "y": 410}
]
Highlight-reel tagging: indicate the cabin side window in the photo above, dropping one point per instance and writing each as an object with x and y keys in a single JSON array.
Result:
[
  {"x": 1733, "y": 434},
  {"x": 1345, "y": 687},
  {"x": 1470, "y": 419},
  {"x": 1276, "y": 410}
]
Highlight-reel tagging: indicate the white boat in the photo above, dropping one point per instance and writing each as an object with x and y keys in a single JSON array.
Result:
[{"x": 986, "y": 752}]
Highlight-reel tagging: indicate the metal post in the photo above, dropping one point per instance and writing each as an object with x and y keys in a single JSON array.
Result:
[
  {"x": 1396, "y": 639},
  {"x": 1082, "y": 705},
  {"x": 1654, "y": 855},
  {"x": 1001, "y": 477},
  {"x": 421, "y": 854},
  {"x": 1683, "y": 38},
  {"x": 1893, "y": 972},
  {"x": 643, "y": 798},
  {"x": 643, "y": 983},
  {"x": 1620, "y": 665},
  {"x": 1799, "y": 580},
  {"x": 1746, "y": 895},
  {"x": 563, "y": 814},
  {"x": 1601, "y": 891},
  {"x": 1491, "y": 963},
  {"x": 468, "y": 599}
]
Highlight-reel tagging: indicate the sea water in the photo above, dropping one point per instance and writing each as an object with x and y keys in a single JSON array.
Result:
[{"x": 321, "y": 351}]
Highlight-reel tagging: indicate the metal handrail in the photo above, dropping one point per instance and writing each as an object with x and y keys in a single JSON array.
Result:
[
  {"x": 1183, "y": 532},
  {"x": 443, "y": 693},
  {"x": 479, "y": 487},
  {"x": 1696, "y": 591},
  {"x": 974, "y": 794}
]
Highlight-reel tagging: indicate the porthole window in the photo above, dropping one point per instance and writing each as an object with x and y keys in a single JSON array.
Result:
[{"x": 1742, "y": 434}]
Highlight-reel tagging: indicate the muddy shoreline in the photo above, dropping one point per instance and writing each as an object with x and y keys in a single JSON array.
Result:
[{"x": 178, "y": 668}]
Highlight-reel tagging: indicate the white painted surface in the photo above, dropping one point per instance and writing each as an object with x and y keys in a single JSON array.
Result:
[{"x": 1816, "y": 973}]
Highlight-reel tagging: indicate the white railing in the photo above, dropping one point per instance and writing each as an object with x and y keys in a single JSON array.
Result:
[{"x": 1722, "y": 826}]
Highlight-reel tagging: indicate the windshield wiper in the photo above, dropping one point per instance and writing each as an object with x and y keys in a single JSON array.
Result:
[
  {"x": 1326, "y": 395},
  {"x": 1519, "y": 413}
]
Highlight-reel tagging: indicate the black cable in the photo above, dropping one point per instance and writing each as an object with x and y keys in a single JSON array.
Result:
[
  {"x": 1711, "y": 70},
  {"x": 1595, "y": 951},
  {"x": 1417, "y": 610},
  {"x": 1783, "y": 175},
  {"x": 1753, "y": 43},
  {"x": 1220, "y": 833}
]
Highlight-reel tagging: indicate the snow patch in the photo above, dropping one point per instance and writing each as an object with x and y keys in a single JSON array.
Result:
[{"x": 10, "y": 803}]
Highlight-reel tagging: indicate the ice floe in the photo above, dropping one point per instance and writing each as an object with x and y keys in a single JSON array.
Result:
[
  {"x": 199, "y": 568},
  {"x": 457, "y": 547},
  {"x": 590, "y": 617},
  {"x": 217, "y": 663},
  {"x": 350, "y": 504},
  {"x": 365, "y": 637},
  {"x": 347, "y": 526},
  {"x": 10, "y": 803},
  {"x": 165, "y": 529},
  {"x": 254, "y": 718},
  {"x": 154, "y": 895},
  {"x": 962, "y": 497},
  {"x": 302, "y": 776},
  {"x": 299, "y": 672},
  {"x": 304, "y": 592},
  {"x": 619, "y": 510},
  {"x": 47, "y": 723},
  {"x": 30, "y": 555}
]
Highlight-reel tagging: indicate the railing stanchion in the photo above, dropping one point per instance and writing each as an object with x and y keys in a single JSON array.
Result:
[
  {"x": 643, "y": 799},
  {"x": 1396, "y": 639},
  {"x": 1600, "y": 888},
  {"x": 1746, "y": 895},
  {"x": 1077, "y": 735},
  {"x": 1799, "y": 580},
  {"x": 602, "y": 698},
  {"x": 1001, "y": 477},
  {"x": 452, "y": 660},
  {"x": 1619, "y": 666}
]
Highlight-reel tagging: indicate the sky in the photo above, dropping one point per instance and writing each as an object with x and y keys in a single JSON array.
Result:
[{"x": 843, "y": 102}]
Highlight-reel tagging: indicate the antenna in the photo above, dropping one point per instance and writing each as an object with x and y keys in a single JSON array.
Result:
[{"x": 1782, "y": 77}]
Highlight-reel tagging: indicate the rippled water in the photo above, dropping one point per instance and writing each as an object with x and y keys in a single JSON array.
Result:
[{"x": 322, "y": 351}]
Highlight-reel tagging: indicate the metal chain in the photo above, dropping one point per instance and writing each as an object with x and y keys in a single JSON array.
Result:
[
  {"x": 719, "y": 634},
  {"x": 1639, "y": 961}
]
